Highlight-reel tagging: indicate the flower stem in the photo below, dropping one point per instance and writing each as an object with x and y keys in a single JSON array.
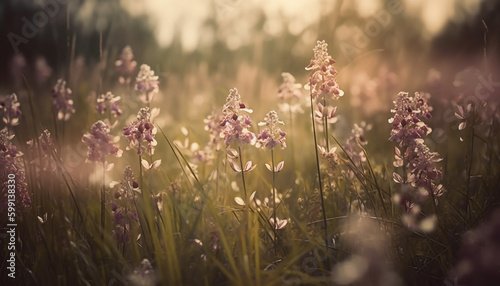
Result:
[
  {"x": 103, "y": 201},
  {"x": 140, "y": 176},
  {"x": 274, "y": 203},
  {"x": 242, "y": 172},
  {"x": 319, "y": 174}
]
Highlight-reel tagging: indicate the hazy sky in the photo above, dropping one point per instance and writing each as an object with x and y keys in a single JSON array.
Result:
[{"x": 187, "y": 17}]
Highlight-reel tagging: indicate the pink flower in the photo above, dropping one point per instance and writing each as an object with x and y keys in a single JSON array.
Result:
[
  {"x": 108, "y": 101},
  {"x": 62, "y": 103},
  {"x": 420, "y": 163},
  {"x": 272, "y": 135},
  {"x": 141, "y": 131},
  {"x": 289, "y": 89},
  {"x": 147, "y": 84},
  {"x": 322, "y": 82},
  {"x": 100, "y": 143},
  {"x": 9, "y": 108},
  {"x": 353, "y": 145},
  {"x": 126, "y": 65},
  {"x": 12, "y": 172},
  {"x": 235, "y": 125}
]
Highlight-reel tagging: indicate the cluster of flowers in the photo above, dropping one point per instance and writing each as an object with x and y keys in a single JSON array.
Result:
[
  {"x": 101, "y": 143},
  {"x": 142, "y": 131},
  {"x": 9, "y": 109},
  {"x": 123, "y": 207},
  {"x": 353, "y": 144},
  {"x": 62, "y": 104},
  {"x": 235, "y": 128},
  {"x": 146, "y": 83},
  {"x": 235, "y": 124},
  {"x": 408, "y": 131},
  {"x": 43, "y": 149},
  {"x": 126, "y": 65},
  {"x": 322, "y": 84},
  {"x": 109, "y": 102},
  {"x": 12, "y": 173}
]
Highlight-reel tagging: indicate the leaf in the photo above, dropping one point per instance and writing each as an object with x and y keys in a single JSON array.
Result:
[
  {"x": 459, "y": 116},
  {"x": 239, "y": 201},
  {"x": 462, "y": 125},
  {"x": 279, "y": 167},
  {"x": 252, "y": 196},
  {"x": 109, "y": 167},
  {"x": 235, "y": 167},
  {"x": 231, "y": 153},
  {"x": 269, "y": 167},
  {"x": 145, "y": 163},
  {"x": 156, "y": 164},
  {"x": 249, "y": 166},
  {"x": 397, "y": 178}
]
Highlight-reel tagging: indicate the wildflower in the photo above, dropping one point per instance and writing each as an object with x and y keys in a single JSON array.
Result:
[
  {"x": 109, "y": 102},
  {"x": 214, "y": 128},
  {"x": 10, "y": 109},
  {"x": 289, "y": 89},
  {"x": 146, "y": 83},
  {"x": 463, "y": 114},
  {"x": 406, "y": 122},
  {"x": 123, "y": 207},
  {"x": 272, "y": 135},
  {"x": 420, "y": 163},
  {"x": 235, "y": 125},
  {"x": 330, "y": 155},
  {"x": 141, "y": 131},
  {"x": 353, "y": 145},
  {"x": 100, "y": 143},
  {"x": 12, "y": 173},
  {"x": 126, "y": 65},
  {"x": 62, "y": 104},
  {"x": 43, "y": 150},
  {"x": 322, "y": 82}
]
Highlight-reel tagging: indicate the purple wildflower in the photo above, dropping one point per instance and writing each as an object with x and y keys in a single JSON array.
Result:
[
  {"x": 62, "y": 104},
  {"x": 235, "y": 125},
  {"x": 12, "y": 173},
  {"x": 140, "y": 131},
  {"x": 108, "y": 101},
  {"x": 100, "y": 143},
  {"x": 146, "y": 83},
  {"x": 322, "y": 82},
  {"x": 353, "y": 145},
  {"x": 272, "y": 135},
  {"x": 123, "y": 207},
  {"x": 420, "y": 163},
  {"x": 289, "y": 88},
  {"x": 10, "y": 109},
  {"x": 43, "y": 151},
  {"x": 212, "y": 125},
  {"x": 126, "y": 65}
]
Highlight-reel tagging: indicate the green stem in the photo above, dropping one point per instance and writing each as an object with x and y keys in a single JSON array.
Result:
[
  {"x": 319, "y": 174},
  {"x": 242, "y": 172},
  {"x": 274, "y": 203},
  {"x": 140, "y": 176},
  {"x": 325, "y": 125}
]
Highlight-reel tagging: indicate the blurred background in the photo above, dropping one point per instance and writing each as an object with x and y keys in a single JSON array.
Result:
[{"x": 201, "y": 49}]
